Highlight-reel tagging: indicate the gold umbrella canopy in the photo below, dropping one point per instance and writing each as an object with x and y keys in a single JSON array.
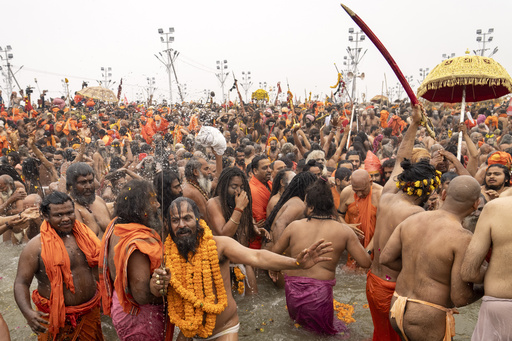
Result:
[
  {"x": 99, "y": 93},
  {"x": 260, "y": 95},
  {"x": 379, "y": 98},
  {"x": 483, "y": 77}
]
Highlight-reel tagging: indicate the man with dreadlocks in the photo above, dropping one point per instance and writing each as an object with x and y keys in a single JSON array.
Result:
[
  {"x": 199, "y": 294},
  {"x": 199, "y": 182},
  {"x": 399, "y": 200},
  {"x": 130, "y": 250},
  {"x": 309, "y": 295},
  {"x": 230, "y": 213},
  {"x": 289, "y": 208}
]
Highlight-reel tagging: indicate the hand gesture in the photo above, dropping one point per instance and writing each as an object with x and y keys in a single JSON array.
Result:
[
  {"x": 416, "y": 113},
  {"x": 19, "y": 194},
  {"x": 463, "y": 128},
  {"x": 241, "y": 200},
  {"x": 31, "y": 213},
  {"x": 159, "y": 282},
  {"x": 273, "y": 275},
  {"x": 309, "y": 257},
  {"x": 19, "y": 224},
  {"x": 359, "y": 233},
  {"x": 31, "y": 140},
  {"x": 35, "y": 321},
  {"x": 260, "y": 231}
]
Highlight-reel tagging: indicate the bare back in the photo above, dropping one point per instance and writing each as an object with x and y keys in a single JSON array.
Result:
[
  {"x": 299, "y": 234},
  {"x": 393, "y": 209}
]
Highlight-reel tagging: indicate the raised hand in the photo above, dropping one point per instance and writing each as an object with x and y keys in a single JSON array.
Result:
[
  {"x": 309, "y": 257},
  {"x": 241, "y": 200}
]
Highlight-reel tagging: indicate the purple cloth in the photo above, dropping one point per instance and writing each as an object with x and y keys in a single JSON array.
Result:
[
  {"x": 376, "y": 142},
  {"x": 310, "y": 304},
  {"x": 148, "y": 324}
]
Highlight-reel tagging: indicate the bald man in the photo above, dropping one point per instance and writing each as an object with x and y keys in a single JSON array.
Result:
[
  {"x": 428, "y": 248},
  {"x": 358, "y": 208}
]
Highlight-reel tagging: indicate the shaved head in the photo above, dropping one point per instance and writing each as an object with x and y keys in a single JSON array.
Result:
[
  {"x": 361, "y": 183},
  {"x": 463, "y": 191}
]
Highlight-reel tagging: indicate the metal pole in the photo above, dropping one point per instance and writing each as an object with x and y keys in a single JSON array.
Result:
[
  {"x": 462, "y": 114},
  {"x": 169, "y": 63}
]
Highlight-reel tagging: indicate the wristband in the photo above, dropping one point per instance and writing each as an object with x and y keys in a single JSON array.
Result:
[
  {"x": 234, "y": 221},
  {"x": 239, "y": 210}
]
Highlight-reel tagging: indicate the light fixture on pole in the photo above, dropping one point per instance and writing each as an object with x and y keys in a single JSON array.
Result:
[
  {"x": 8, "y": 75},
  {"x": 355, "y": 57},
  {"x": 448, "y": 55},
  {"x": 424, "y": 73},
  {"x": 263, "y": 85},
  {"x": 484, "y": 38},
  {"x": 169, "y": 63},
  {"x": 246, "y": 82},
  {"x": 151, "y": 89},
  {"x": 222, "y": 75},
  {"x": 107, "y": 76}
]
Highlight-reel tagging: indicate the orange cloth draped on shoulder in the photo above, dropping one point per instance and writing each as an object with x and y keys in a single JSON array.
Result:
[
  {"x": 193, "y": 123},
  {"x": 397, "y": 124},
  {"x": 133, "y": 237},
  {"x": 336, "y": 197},
  {"x": 260, "y": 196},
  {"x": 384, "y": 115},
  {"x": 362, "y": 211},
  {"x": 58, "y": 266},
  {"x": 491, "y": 122},
  {"x": 84, "y": 320},
  {"x": 4, "y": 143},
  {"x": 177, "y": 133},
  {"x": 379, "y": 293}
]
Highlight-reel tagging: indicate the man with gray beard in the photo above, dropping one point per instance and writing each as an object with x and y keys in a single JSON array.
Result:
[
  {"x": 199, "y": 183},
  {"x": 100, "y": 160},
  {"x": 89, "y": 208}
]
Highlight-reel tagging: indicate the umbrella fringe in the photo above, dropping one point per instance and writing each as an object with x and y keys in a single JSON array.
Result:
[{"x": 451, "y": 82}]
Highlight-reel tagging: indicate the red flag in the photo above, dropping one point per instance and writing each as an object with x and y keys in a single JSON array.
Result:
[{"x": 279, "y": 88}]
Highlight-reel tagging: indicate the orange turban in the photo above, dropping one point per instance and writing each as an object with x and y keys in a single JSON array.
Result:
[
  {"x": 372, "y": 163},
  {"x": 503, "y": 158}
]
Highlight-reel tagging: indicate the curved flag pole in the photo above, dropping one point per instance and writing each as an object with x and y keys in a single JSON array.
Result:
[{"x": 425, "y": 121}]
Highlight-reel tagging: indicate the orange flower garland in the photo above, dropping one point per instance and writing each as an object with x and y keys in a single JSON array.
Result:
[
  {"x": 191, "y": 298},
  {"x": 344, "y": 311},
  {"x": 239, "y": 276}
]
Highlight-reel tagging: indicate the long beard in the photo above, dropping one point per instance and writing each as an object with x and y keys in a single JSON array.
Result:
[
  {"x": 103, "y": 153},
  {"x": 231, "y": 201},
  {"x": 205, "y": 183},
  {"x": 154, "y": 222},
  {"x": 84, "y": 200},
  {"x": 187, "y": 244},
  {"x": 273, "y": 148}
]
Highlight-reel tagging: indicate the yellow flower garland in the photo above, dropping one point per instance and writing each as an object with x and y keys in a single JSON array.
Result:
[
  {"x": 191, "y": 299},
  {"x": 420, "y": 187}
]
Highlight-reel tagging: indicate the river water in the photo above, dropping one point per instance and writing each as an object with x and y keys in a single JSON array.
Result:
[{"x": 262, "y": 317}]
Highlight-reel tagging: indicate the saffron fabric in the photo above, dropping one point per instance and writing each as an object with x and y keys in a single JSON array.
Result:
[{"x": 379, "y": 293}]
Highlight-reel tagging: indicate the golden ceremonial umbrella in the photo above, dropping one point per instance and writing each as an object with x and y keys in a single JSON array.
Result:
[
  {"x": 99, "y": 93},
  {"x": 467, "y": 78},
  {"x": 379, "y": 99},
  {"x": 260, "y": 95}
]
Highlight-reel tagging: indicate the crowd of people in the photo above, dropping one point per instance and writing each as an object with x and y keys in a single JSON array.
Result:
[{"x": 148, "y": 215}]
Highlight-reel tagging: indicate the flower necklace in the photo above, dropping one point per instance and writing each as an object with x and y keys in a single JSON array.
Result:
[
  {"x": 199, "y": 188},
  {"x": 191, "y": 299}
]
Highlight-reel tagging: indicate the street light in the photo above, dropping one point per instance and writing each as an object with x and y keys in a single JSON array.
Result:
[
  {"x": 448, "y": 55},
  {"x": 170, "y": 59},
  {"x": 246, "y": 82},
  {"x": 424, "y": 73},
  {"x": 151, "y": 89},
  {"x": 355, "y": 56},
  {"x": 107, "y": 76},
  {"x": 8, "y": 75},
  {"x": 263, "y": 85},
  {"x": 481, "y": 38},
  {"x": 221, "y": 75}
]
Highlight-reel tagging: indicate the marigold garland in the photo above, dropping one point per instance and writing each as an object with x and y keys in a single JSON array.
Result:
[
  {"x": 191, "y": 298},
  {"x": 239, "y": 278},
  {"x": 344, "y": 311},
  {"x": 420, "y": 187}
]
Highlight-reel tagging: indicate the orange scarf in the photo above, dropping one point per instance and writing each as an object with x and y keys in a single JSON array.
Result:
[
  {"x": 133, "y": 237},
  {"x": 58, "y": 266},
  {"x": 362, "y": 211}
]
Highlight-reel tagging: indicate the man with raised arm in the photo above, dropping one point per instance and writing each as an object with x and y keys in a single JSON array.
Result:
[
  {"x": 199, "y": 295},
  {"x": 399, "y": 200}
]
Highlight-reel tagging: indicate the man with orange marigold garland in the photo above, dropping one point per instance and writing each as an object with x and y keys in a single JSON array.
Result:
[{"x": 199, "y": 267}]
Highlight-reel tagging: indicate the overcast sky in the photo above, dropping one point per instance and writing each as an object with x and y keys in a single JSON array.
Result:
[{"x": 296, "y": 41}]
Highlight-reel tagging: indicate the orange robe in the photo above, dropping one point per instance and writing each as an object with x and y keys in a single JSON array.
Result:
[
  {"x": 82, "y": 321},
  {"x": 384, "y": 119},
  {"x": 133, "y": 237},
  {"x": 361, "y": 211},
  {"x": 58, "y": 267},
  {"x": 379, "y": 293},
  {"x": 260, "y": 196}
]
